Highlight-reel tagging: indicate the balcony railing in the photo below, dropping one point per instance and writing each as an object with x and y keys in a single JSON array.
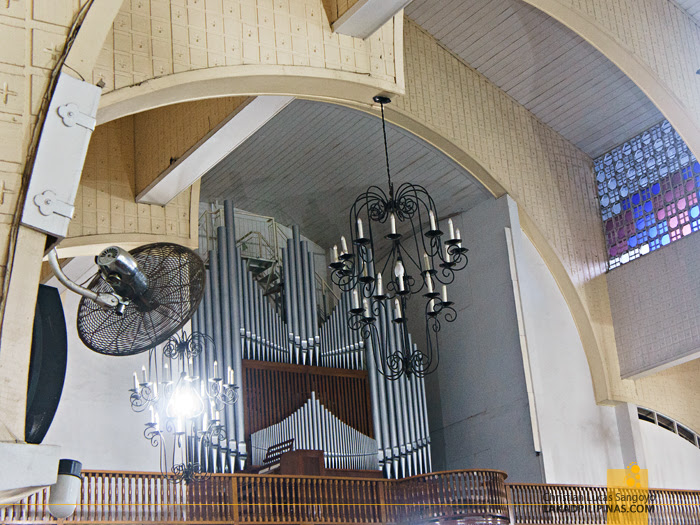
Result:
[{"x": 469, "y": 496}]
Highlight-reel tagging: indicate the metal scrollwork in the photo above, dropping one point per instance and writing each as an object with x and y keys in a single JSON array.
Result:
[{"x": 418, "y": 258}]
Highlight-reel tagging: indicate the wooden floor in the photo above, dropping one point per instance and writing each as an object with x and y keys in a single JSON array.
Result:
[{"x": 468, "y": 496}]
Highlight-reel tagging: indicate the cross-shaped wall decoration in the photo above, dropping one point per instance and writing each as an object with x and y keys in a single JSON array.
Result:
[
  {"x": 3, "y": 191},
  {"x": 6, "y": 93},
  {"x": 54, "y": 51}
]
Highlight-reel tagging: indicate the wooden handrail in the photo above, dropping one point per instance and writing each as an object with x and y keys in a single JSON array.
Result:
[{"x": 142, "y": 497}]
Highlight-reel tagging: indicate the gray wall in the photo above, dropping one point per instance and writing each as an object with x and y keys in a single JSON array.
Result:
[
  {"x": 655, "y": 303},
  {"x": 94, "y": 422},
  {"x": 477, "y": 399}
]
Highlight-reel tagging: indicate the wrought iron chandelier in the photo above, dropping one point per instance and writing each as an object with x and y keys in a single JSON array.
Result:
[
  {"x": 184, "y": 409},
  {"x": 414, "y": 261}
]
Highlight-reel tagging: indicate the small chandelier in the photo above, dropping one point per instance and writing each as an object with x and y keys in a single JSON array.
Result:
[
  {"x": 413, "y": 261},
  {"x": 184, "y": 409}
]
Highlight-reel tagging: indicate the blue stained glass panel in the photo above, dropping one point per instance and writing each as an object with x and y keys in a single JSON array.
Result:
[{"x": 647, "y": 193}]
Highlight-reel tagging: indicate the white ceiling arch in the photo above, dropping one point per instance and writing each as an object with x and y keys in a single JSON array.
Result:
[{"x": 562, "y": 79}]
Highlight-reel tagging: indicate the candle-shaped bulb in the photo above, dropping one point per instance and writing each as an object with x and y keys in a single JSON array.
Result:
[
  {"x": 343, "y": 245},
  {"x": 459, "y": 237},
  {"x": 392, "y": 221},
  {"x": 216, "y": 365},
  {"x": 433, "y": 224},
  {"x": 444, "y": 293},
  {"x": 360, "y": 231},
  {"x": 217, "y": 416},
  {"x": 230, "y": 375},
  {"x": 448, "y": 257},
  {"x": 335, "y": 253},
  {"x": 153, "y": 417},
  {"x": 190, "y": 366},
  {"x": 429, "y": 283},
  {"x": 180, "y": 425},
  {"x": 399, "y": 273},
  {"x": 397, "y": 308},
  {"x": 380, "y": 288},
  {"x": 166, "y": 373},
  {"x": 136, "y": 382},
  {"x": 157, "y": 421},
  {"x": 143, "y": 374},
  {"x": 426, "y": 262},
  {"x": 431, "y": 305},
  {"x": 451, "y": 226},
  {"x": 355, "y": 300}
]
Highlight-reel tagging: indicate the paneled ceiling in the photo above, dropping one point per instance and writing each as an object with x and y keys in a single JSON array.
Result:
[
  {"x": 307, "y": 165},
  {"x": 692, "y": 7},
  {"x": 546, "y": 67}
]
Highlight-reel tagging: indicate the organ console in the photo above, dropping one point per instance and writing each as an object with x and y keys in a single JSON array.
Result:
[{"x": 248, "y": 328}]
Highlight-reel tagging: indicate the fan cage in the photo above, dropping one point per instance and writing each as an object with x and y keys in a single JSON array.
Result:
[{"x": 176, "y": 279}]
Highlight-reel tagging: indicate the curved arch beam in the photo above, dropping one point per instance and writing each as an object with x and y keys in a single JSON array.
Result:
[
  {"x": 681, "y": 117},
  {"x": 298, "y": 81}
]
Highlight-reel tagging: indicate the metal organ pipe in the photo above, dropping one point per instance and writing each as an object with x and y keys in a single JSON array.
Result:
[
  {"x": 244, "y": 324},
  {"x": 288, "y": 300},
  {"x": 226, "y": 345},
  {"x": 237, "y": 357}
]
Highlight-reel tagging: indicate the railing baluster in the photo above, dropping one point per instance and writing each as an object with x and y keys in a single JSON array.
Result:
[{"x": 108, "y": 497}]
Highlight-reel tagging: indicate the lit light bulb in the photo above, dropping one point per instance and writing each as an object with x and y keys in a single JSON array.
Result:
[
  {"x": 433, "y": 224},
  {"x": 399, "y": 273}
]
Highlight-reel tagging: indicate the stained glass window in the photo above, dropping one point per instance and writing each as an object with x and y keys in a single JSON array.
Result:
[{"x": 649, "y": 189}]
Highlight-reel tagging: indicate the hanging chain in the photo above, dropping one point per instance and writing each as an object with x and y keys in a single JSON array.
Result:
[{"x": 386, "y": 154}]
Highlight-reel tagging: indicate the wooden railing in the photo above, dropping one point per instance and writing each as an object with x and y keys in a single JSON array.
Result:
[
  {"x": 467, "y": 496},
  {"x": 116, "y": 497},
  {"x": 555, "y": 504}
]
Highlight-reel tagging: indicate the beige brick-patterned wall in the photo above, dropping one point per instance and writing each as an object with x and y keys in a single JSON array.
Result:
[
  {"x": 164, "y": 133},
  {"x": 32, "y": 35},
  {"x": 105, "y": 207},
  {"x": 654, "y": 301},
  {"x": 156, "y": 38},
  {"x": 553, "y": 183}
]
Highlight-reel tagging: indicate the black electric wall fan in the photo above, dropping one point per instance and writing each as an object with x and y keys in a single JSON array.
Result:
[{"x": 138, "y": 299}]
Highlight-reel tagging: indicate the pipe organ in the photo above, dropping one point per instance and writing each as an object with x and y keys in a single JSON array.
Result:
[
  {"x": 314, "y": 427},
  {"x": 247, "y": 325}
]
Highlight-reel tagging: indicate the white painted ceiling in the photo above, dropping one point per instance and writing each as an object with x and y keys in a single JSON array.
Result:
[
  {"x": 692, "y": 7},
  {"x": 546, "y": 67},
  {"x": 309, "y": 163}
]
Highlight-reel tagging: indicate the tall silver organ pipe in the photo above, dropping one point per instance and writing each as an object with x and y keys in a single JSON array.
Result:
[
  {"x": 246, "y": 324},
  {"x": 314, "y": 427}
]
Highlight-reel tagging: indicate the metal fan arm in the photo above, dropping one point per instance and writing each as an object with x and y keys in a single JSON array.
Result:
[{"x": 106, "y": 300}]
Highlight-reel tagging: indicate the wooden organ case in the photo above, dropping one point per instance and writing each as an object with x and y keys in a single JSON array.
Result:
[{"x": 299, "y": 379}]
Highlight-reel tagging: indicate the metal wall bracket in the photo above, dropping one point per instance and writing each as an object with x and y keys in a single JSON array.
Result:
[
  {"x": 48, "y": 204},
  {"x": 71, "y": 116},
  {"x": 70, "y": 121}
]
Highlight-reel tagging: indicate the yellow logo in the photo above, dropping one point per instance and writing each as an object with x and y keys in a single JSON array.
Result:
[{"x": 628, "y": 496}]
